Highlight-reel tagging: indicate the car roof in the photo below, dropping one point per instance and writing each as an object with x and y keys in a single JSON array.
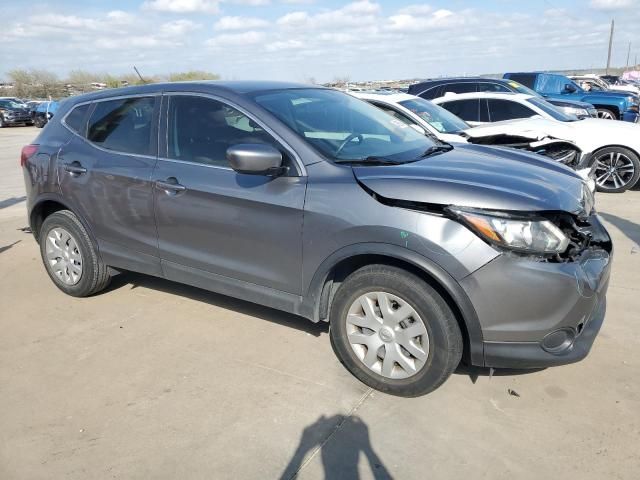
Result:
[
  {"x": 437, "y": 81},
  {"x": 240, "y": 87},
  {"x": 390, "y": 97},
  {"x": 474, "y": 95}
]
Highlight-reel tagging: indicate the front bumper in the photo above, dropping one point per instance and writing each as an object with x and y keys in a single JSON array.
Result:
[
  {"x": 633, "y": 117},
  {"x": 17, "y": 120},
  {"x": 537, "y": 314}
]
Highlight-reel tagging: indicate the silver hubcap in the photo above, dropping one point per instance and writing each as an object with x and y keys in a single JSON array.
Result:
[
  {"x": 387, "y": 335},
  {"x": 605, "y": 114},
  {"x": 63, "y": 256},
  {"x": 614, "y": 170}
]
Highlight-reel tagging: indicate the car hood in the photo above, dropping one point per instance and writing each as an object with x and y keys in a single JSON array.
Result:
[
  {"x": 588, "y": 134},
  {"x": 571, "y": 103},
  {"x": 479, "y": 177}
]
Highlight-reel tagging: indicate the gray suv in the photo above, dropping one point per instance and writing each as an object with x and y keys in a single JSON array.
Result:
[{"x": 311, "y": 201}]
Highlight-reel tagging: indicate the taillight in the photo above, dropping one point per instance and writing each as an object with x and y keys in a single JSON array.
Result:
[{"x": 28, "y": 151}]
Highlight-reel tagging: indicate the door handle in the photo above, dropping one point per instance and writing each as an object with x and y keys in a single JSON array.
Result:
[
  {"x": 74, "y": 168},
  {"x": 170, "y": 186}
]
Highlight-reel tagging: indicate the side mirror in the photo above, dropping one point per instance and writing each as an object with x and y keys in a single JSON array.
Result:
[
  {"x": 256, "y": 159},
  {"x": 569, "y": 88}
]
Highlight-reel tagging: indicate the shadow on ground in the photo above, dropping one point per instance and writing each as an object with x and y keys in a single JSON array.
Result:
[
  {"x": 341, "y": 440},
  {"x": 476, "y": 372},
  {"x": 629, "y": 228},
  {"x": 11, "y": 201},
  {"x": 136, "y": 280},
  {"x": 7, "y": 247}
]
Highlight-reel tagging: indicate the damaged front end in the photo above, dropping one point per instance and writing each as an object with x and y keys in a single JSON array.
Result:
[{"x": 562, "y": 151}]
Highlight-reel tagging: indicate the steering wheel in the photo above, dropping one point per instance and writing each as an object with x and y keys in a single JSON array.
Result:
[{"x": 347, "y": 140}]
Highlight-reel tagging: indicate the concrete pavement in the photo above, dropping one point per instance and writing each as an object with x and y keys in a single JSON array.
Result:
[{"x": 153, "y": 379}]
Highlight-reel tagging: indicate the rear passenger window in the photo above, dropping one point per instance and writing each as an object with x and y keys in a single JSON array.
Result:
[
  {"x": 466, "y": 87},
  {"x": 202, "y": 129},
  {"x": 76, "y": 119},
  {"x": 123, "y": 125},
  {"x": 492, "y": 87},
  {"x": 468, "y": 110},
  {"x": 507, "y": 110}
]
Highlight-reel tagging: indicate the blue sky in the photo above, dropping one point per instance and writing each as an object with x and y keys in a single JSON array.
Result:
[{"x": 320, "y": 39}]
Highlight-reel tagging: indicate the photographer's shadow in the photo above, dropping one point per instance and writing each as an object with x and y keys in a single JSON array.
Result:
[{"x": 339, "y": 458}]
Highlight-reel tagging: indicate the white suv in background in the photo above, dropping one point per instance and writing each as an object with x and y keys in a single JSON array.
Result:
[{"x": 614, "y": 146}]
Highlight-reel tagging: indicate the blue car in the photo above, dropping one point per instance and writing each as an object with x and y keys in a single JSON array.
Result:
[
  {"x": 44, "y": 112},
  {"x": 610, "y": 105}
]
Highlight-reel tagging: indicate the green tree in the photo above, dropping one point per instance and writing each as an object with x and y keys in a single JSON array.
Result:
[{"x": 192, "y": 75}]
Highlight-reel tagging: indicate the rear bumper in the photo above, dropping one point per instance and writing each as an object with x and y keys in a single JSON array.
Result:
[{"x": 534, "y": 355}]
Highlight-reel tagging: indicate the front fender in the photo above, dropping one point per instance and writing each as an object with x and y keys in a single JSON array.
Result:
[{"x": 311, "y": 301}]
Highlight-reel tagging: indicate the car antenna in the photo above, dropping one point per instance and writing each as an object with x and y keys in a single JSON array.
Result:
[{"x": 141, "y": 79}]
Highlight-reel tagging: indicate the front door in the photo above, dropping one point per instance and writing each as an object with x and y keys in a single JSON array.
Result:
[{"x": 216, "y": 225}]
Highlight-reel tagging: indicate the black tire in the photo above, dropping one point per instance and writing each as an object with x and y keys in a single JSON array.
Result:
[
  {"x": 606, "y": 114},
  {"x": 626, "y": 158},
  {"x": 95, "y": 274},
  {"x": 445, "y": 338},
  {"x": 2, "y": 124}
]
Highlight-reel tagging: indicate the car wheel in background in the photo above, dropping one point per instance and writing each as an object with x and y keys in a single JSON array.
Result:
[
  {"x": 69, "y": 256},
  {"x": 606, "y": 114},
  {"x": 394, "y": 332},
  {"x": 617, "y": 169}
]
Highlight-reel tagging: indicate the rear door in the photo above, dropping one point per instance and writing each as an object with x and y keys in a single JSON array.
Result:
[
  {"x": 216, "y": 225},
  {"x": 105, "y": 172}
]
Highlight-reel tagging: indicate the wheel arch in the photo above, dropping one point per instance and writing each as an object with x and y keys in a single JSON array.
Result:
[
  {"x": 612, "y": 108},
  {"x": 316, "y": 304},
  {"x": 45, "y": 206}
]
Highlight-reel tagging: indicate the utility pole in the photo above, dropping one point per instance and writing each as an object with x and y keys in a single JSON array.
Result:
[
  {"x": 628, "y": 55},
  {"x": 610, "y": 45}
]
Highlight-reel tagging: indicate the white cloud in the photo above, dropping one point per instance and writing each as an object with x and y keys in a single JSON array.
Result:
[
  {"x": 183, "y": 6},
  {"x": 236, "y": 39},
  {"x": 612, "y": 4},
  {"x": 253, "y": 3},
  {"x": 240, "y": 23},
  {"x": 357, "y": 15},
  {"x": 441, "y": 19},
  {"x": 178, "y": 28}
]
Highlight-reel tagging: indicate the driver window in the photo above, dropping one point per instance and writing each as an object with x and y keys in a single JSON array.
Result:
[{"x": 201, "y": 130}]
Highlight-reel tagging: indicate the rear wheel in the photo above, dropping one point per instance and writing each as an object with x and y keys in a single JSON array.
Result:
[
  {"x": 69, "y": 256},
  {"x": 606, "y": 114},
  {"x": 394, "y": 332},
  {"x": 617, "y": 169}
]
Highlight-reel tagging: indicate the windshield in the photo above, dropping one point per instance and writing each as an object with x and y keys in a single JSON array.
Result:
[
  {"x": 10, "y": 104},
  {"x": 522, "y": 89},
  {"x": 551, "y": 110},
  {"x": 342, "y": 127},
  {"x": 436, "y": 116}
]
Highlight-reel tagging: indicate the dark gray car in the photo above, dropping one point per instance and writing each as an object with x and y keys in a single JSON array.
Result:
[{"x": 313, "y": 202}]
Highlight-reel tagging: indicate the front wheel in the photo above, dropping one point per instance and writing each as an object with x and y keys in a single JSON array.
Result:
[
  {"x": 394, "y": 332},
  {"x": 606, "y": 114},
  {"x": 617, "y": 169}
]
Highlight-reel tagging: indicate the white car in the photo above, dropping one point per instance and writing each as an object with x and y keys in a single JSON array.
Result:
[
  {"x": 614, "y": 147},
  {"x": 431, "y": 119},
  {"x": 595, "y": 83}
]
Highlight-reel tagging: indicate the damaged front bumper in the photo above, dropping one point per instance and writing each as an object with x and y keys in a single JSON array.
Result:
[{"x": 537, "y": 314}]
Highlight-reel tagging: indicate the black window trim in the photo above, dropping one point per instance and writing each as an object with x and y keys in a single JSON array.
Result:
[
  {"x": 164, "y": 118},
  {"x": 92, "y": 107}
]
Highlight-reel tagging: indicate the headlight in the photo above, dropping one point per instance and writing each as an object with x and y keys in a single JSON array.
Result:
[
  {"x": 527, "y": 235},
  {"x": 578, "y": 112}
]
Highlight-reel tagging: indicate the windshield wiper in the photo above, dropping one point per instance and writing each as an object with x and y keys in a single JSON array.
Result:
[
  {"x": 370, "y": 161},
  {"x": 445, "y": 147}
]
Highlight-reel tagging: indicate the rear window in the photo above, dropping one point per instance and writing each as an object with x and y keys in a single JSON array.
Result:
[
  {"x": 508, "y": 110},
  {"x": 123, "y": 125},
  {"x": 76, "y": 119},
  {"x": 526, "y": 79}
]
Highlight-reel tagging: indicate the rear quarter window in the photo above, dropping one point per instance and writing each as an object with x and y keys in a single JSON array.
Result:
[
  {"x": 76, "y": 120},
  {"x": 468, "y": 110}
]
